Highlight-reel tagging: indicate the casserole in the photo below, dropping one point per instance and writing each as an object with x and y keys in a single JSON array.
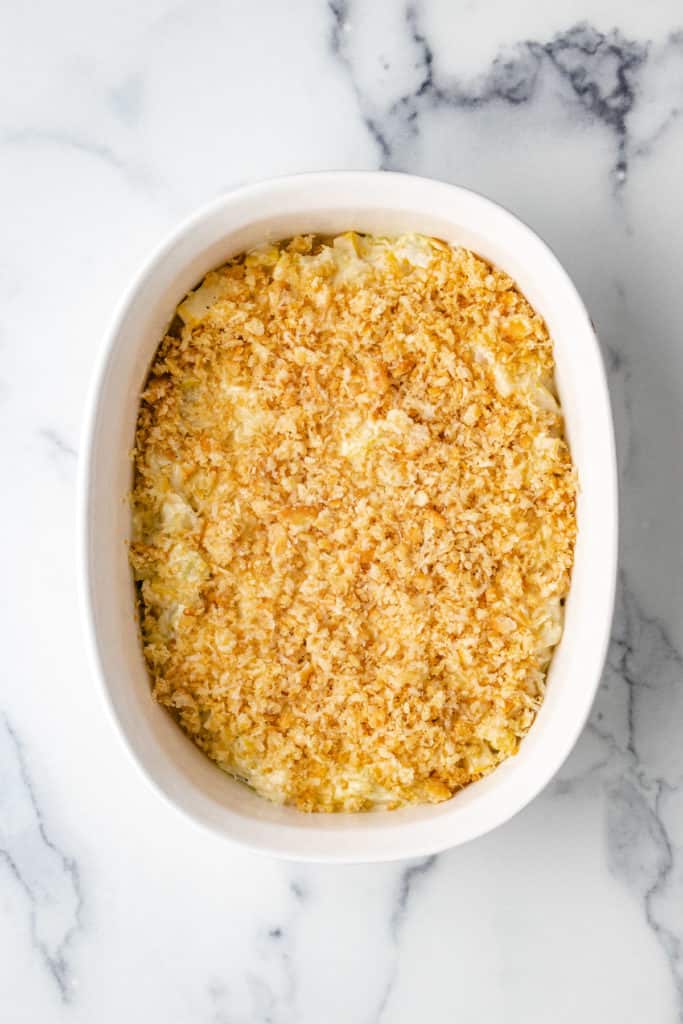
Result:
[{"x": 327, "y": 204}]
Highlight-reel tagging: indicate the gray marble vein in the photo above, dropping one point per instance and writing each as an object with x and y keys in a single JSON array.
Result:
[
  {"x": 47, "y": 876},
  {"x": 269, "y": 984},
  {"x": 57, "y": 443},
  {"x": 600, "y": 74},
  {"x": 641, "y": 853},
  {"x": 636, "y": 720},
  {"x": 131, "y": 170},
  {"x": 411, "y": 875}
]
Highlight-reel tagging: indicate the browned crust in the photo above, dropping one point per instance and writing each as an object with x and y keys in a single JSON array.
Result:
[{"x": 355, "y": 519}]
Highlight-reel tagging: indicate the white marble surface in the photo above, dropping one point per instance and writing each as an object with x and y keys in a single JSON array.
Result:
[{"x": 118, "y": 118}]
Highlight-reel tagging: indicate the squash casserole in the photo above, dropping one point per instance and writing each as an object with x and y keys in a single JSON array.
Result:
[{"x": 354, "y": 515}]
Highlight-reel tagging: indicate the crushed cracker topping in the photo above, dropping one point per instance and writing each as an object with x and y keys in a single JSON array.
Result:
[{"x": 354, "y": 519}]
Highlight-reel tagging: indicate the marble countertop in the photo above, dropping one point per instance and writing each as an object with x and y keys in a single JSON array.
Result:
[{"x": 118, "y": 119}]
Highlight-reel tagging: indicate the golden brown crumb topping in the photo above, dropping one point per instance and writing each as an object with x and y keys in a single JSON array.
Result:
[{"x": 354, "y": 519}]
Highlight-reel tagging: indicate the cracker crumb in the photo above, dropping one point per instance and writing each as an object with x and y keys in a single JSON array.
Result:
[{"x": 354, "y": 516}]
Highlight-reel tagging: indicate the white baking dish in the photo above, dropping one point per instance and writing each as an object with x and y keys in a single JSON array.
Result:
[{"x": 330, "y": 203}]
